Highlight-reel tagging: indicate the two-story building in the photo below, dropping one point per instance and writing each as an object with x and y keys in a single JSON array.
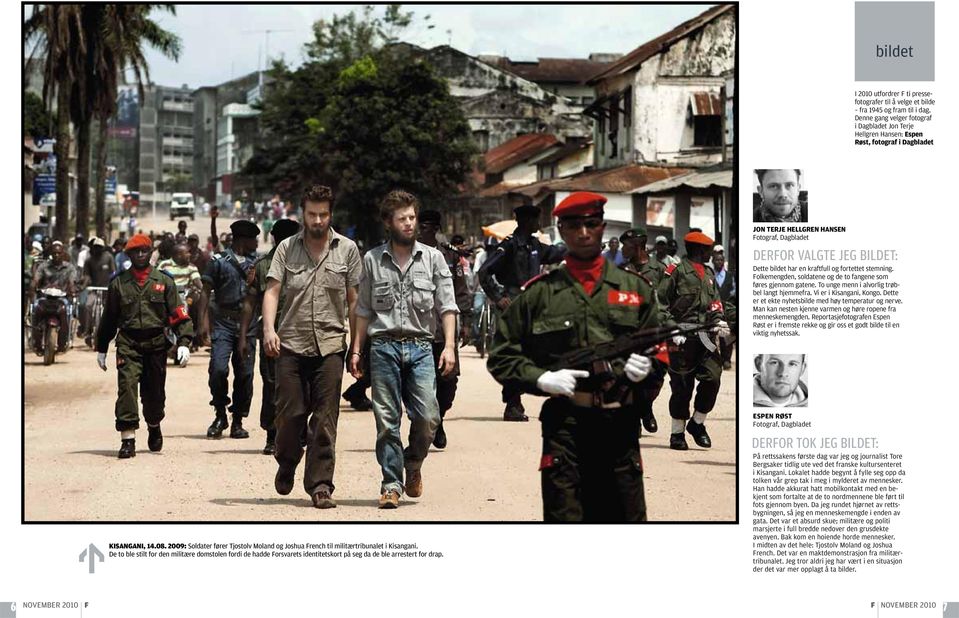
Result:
[{"x": 664, "y": 105}]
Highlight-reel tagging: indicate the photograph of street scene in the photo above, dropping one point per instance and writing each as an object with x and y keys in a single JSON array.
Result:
[{"x": 320, "y": 263}]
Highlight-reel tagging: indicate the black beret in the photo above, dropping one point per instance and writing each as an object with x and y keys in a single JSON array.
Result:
[
  {"x": 284, "y": 228},
  {"x": 526, "y": 210},
  {"x": 244, "y": 229},
  {"x": 430, "y": 216}
]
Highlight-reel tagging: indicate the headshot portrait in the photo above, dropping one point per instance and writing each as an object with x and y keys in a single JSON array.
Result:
[
  {"x": 780, "y": 381},
  {"x": 780, "y": 197}
]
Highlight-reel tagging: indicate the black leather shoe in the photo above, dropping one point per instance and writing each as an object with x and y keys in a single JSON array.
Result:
[
  {"x": 270, "y": 447},
  {"x": 284, "y": 480},
  {"x": 361, "y": 403},
  {"x": 649, "y": 424},
  {"x": 677, "y": 442},
  {"x": 128, "y": 448},
  {"x": 236, "y": 429},
  {"x": 515, "y": 414},
  {"x": 217, "y": 426},
  {"x": 698, "y": 432},
  {"x": 155, "y": 439},
  {"x": 439, "y": 440}
]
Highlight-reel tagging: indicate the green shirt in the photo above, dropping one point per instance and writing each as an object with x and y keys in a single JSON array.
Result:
[
  {"x": 554, "y": 315},
  {"x": 143, "y": 312},
  {"x": 690, "y": 294}
]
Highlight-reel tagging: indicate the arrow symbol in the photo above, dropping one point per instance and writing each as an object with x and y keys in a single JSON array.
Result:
[{"x": 93, "y": 554}]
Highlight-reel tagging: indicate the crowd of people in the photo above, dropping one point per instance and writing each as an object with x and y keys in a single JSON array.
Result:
[{"x": 395, "y": 317}]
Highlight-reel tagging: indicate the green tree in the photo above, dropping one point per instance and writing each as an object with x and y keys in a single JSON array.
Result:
[
  {"x": 363, "y": 117},
  {"x": 393, "y": 124},
  {"x": 56, "y": 33},
  {"x": 119, "y": 34},
  {"x": 37, "y": 121}
]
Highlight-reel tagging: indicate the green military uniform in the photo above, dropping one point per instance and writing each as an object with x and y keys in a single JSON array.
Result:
[
  {"x": 267, "y": 363},
  {"x": 591, "y": 467},
  {"x": 654, "y": 271},
  {"x": 140, "y": 314},
  {"x": 689, "y": 293}
]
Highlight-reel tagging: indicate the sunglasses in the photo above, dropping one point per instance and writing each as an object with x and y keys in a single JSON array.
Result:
[{"x": 590, "y": 223}]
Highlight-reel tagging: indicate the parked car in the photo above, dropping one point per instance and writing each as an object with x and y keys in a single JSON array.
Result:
[{"x": 182, "y": 205}]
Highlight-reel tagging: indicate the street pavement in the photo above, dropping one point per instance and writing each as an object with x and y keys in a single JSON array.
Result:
[{"x": 487, "y": 473}]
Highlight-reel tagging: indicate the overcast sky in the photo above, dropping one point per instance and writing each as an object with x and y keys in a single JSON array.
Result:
[{"x": 221, "y": 42}]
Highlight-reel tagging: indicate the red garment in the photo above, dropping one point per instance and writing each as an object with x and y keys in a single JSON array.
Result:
[
  {"x": 140, "y": 275},
  {"x": 586, "y": 272}
]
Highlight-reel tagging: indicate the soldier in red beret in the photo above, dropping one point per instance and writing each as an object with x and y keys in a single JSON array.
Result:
[
  {"x": 590, "y": 466},
  {"x": 689, "y": 292},
  {"x": 141, "y": 302}
]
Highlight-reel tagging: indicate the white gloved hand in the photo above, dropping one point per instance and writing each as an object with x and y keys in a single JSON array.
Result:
[
  {"x": 182, "y": 355},
  {"x": 562, "y": 382},
  {"x": 679, "y": 339},
  {"x": 102, "y": 360},
  {"x": 722, "y": 329},
  {"x": 638, "y": 367}
]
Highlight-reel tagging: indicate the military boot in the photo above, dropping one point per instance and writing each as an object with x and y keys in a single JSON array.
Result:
[
  {"x": 236, "y": 429},
  {"x": 515, "y": 413},
  {"x": 128, "y": 448},
  {"x": 270, "y": 448},
  {"x": 219, "y": 424},
  {"x": 155, "y": 439}
]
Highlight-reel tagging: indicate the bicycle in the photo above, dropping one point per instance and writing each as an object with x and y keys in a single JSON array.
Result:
[
  {"x": 96, "y": 314},
  {"x": 487, "y": 329}
]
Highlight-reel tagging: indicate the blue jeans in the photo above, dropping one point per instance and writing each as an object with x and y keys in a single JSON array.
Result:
[
  {"x": 402, "y": 373},
  {"x": 224, "y": 353}
]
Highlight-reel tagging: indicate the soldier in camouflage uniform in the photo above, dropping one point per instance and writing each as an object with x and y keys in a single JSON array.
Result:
[
  {"x": 689, "y": 293},
  {"x": 591, "y": 467},
  {"x": 252, "y": 305},
  {"x": 649, "y": 268},
  {"x": 141, "y": 302}
]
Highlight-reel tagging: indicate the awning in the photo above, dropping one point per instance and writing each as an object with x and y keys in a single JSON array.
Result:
[
  {"x": 705, "y": 104},
  {"x": 721, "y": 179}
]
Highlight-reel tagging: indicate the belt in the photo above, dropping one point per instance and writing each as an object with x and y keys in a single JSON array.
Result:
[
  {"x": 586, "y": 399},
  {"x": 404, "y": 339},
  {"x": 141, "y": 335}
]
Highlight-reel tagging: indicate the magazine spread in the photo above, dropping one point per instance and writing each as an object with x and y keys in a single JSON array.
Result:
[{"x": 439, "y": 308}]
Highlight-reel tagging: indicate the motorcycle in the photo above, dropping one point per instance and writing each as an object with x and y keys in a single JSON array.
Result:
[{"x": 52, "y": 324}]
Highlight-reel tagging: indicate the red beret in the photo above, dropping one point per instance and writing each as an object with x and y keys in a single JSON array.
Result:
[
  {"x": 139, "y": 241},
  {"x": 698, "y": 238},
  {"x": 580, "y": 204}
]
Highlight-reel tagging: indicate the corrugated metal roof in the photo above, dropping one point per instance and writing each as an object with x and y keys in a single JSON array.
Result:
[
  {"x": 566, "y": 150},
  {"x": 623, "y": 179},
  {"x": 693, "y": 180},
  {"x": 660, "y": 43},
  {"x": 517, "y": 150},
  {"x": 559, "y": 70},
  {"x": 706, "y": 104}
]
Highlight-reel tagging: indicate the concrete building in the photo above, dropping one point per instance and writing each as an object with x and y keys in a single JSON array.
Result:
[
  {"x": 660, "y": 103},
  {"x": 165, "y": 144},
  {"x": 500, "y": 105},
  {"x": 565, "y": 77},
  {"x": 668, "y": 105},
  {"x": 226, "y": 125}
]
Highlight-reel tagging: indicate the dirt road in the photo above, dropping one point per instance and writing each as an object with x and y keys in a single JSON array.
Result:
[{"x": 487, "y": 473}]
